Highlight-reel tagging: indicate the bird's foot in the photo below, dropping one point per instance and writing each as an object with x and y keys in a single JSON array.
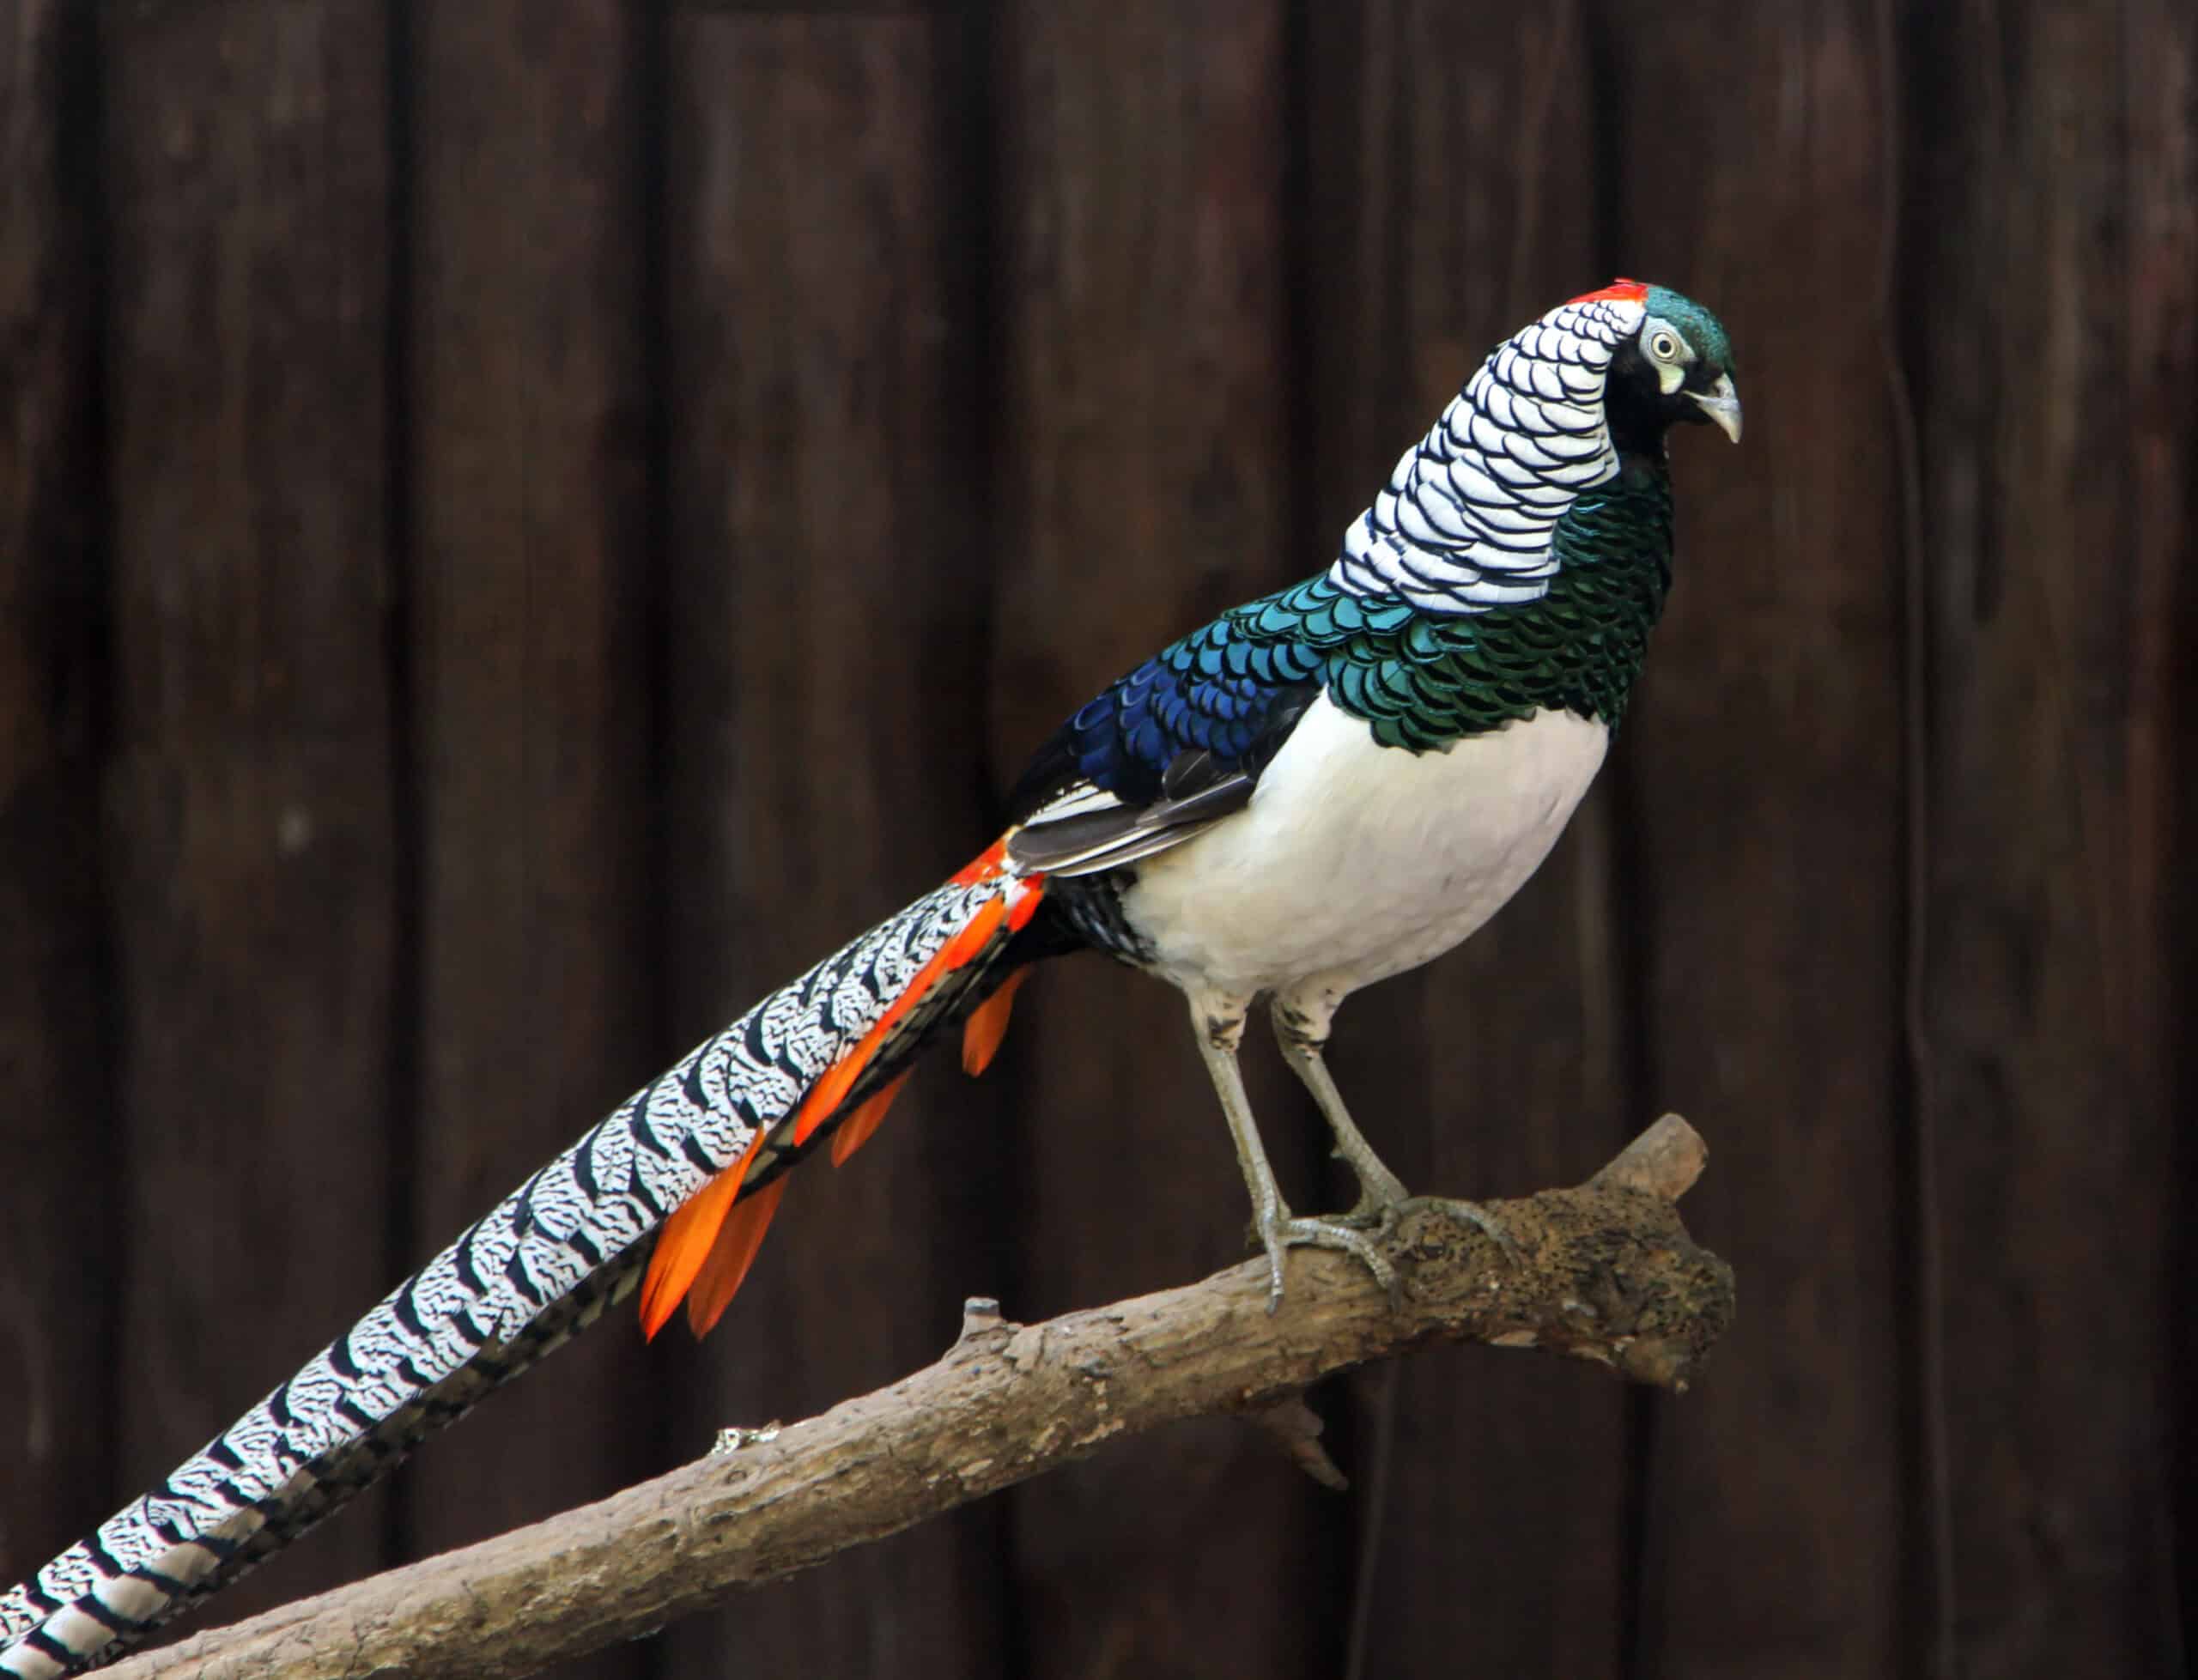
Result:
[{"x": 1281, "y": 1231}]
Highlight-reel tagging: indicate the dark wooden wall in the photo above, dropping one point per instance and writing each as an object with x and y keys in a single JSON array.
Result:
[{"x": 523, "y": 523}]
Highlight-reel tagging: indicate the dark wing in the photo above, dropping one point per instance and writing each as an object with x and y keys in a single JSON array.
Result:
[{"x": 1166, "y": 752}]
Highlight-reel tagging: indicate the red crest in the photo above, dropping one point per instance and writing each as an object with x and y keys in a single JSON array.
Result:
[{"x": 1618, "y": 291}]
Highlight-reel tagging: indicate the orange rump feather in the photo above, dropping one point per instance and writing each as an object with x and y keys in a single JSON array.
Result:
[{"x": 982, "y": 867}]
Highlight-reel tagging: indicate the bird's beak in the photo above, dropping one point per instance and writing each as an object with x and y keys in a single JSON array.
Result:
[{"x": 1723, "y": 405}]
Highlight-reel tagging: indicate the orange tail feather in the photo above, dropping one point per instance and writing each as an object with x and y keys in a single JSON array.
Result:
[
  {"x": 859, "y": 1127},
  {"x": 741, "y": 1235},
  {"x": 686, "y": 1241},
  {"x": 988, "y": 1026},
  {"x": 830, "y": 1092},
  {"x": 709, "y": 1241}
]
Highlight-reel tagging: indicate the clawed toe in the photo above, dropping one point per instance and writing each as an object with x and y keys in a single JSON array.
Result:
[
  {"x": 1284, "y": 1232},
  {"x": 1488, "y": 1225},
  {"x": 1368, "y": 1213}
]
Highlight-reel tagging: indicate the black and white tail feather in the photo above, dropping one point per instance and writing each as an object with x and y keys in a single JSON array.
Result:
[{"x": 545, "y": 1263}]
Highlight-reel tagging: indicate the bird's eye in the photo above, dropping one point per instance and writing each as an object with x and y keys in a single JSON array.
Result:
[{"x": 1664, "y": 347}]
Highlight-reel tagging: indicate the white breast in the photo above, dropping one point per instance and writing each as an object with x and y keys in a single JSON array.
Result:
[{"x": 1356, "y": 861}]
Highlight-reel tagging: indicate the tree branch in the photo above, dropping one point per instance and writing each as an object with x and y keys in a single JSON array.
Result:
[{"x": 1605, "y": 1271}]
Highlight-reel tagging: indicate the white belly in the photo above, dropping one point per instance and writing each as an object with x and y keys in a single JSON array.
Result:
[{"x": 1355, "y": 861}]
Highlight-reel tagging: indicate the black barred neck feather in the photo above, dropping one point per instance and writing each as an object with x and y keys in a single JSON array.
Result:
[{"x": 1468, "y": 520}]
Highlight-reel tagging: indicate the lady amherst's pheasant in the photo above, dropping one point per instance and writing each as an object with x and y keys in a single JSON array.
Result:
[{"x": 1324, "y": 787}]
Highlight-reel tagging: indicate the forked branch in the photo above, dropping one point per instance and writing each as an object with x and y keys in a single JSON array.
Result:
[{"x": 1605, "y": 1271}]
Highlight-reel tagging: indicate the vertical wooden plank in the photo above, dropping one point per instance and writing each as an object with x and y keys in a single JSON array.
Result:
[
  {"x": 2056, "y": 365},
  {"x": 1145, "y": 439},
  {"x": 2160, "y": 56},
  {"x": 530, "y": 534},
  {"x": 2160, "y": 60},
  {"x": 55, "y": 1125},
  {"x": 1445, "y": 157},
  {"x": 249, "y": 817},
  {"x": 823, "y": 626},
  {"x": 1763, "y": 779}
]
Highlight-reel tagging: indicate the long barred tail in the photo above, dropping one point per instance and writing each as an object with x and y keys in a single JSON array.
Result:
[{"x": 816, "y": 1058}]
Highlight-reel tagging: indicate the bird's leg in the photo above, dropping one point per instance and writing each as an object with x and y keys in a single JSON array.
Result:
[
  {"x": 1300, "y": 1027},
  {"x": 1302, "y": 1030},
  {"x": 1219, "y": 1023}
]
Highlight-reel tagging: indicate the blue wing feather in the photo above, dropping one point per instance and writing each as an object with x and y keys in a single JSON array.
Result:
[{"x": 1233, "y": 690}]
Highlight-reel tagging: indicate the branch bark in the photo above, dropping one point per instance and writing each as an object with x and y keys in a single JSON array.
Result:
[{"x": 1604, "y": 1271}]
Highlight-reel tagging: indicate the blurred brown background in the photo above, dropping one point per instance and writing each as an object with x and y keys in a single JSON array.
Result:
[{"x": 523, "y": 524}]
